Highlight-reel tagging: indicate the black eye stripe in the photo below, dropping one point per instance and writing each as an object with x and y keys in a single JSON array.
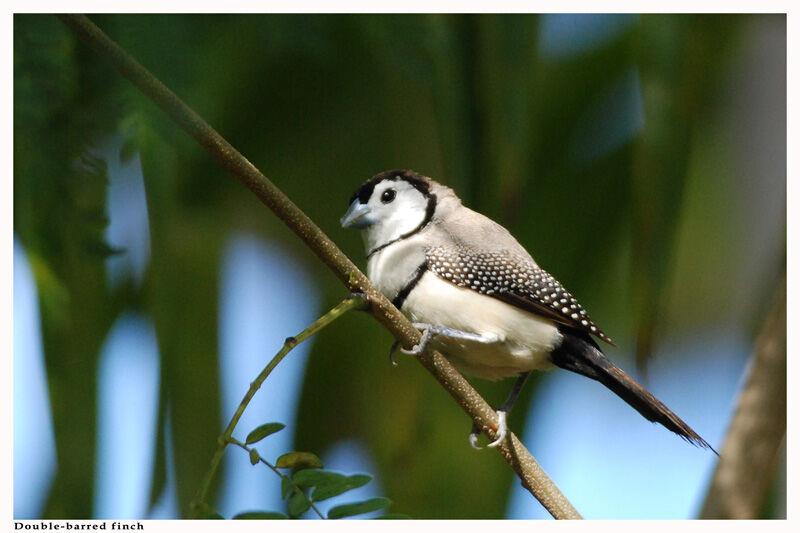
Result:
[{"x": 364, "y": 192}]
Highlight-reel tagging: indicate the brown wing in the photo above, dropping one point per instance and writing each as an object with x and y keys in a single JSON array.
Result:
[{"x": 515, "y": 280}]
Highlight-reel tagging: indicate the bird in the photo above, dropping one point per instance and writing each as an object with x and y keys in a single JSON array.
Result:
[{"x": 479, "y": 297}]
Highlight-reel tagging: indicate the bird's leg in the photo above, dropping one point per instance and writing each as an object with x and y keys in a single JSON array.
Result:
[
  {"x": 502, "y": 413},
  {"x": 430, "y": 330}
]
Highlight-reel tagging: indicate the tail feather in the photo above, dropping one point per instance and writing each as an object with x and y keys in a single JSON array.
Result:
[{"x": 579, "y": 353}]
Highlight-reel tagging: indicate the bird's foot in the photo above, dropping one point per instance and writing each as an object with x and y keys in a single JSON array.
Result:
[
  {"x": 428, "y": 332},
  {"x": 473, "y": 437},
  {"x": 502, "y": 432},
  {"x": 392, "y": 351},
  {"x": 502, "y": 429}
]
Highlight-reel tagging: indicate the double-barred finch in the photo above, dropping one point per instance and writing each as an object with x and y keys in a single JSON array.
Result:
[{"x": 478, "y": 296}]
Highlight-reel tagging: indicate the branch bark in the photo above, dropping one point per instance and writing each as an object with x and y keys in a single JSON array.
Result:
[
  {"x": 758, "y": 428},
  {"x": 516, "y": 455}
]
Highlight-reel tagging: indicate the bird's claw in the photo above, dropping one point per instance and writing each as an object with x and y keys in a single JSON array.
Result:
[
  {"x": 423, "y": 341},
  {"x": 502, "y": 432},
  {"x": 502, "y": 429},
  {"x": 427, "y": 334},
  {"x": 473, "y": 440},
  {"x": 392, "y": 351}
]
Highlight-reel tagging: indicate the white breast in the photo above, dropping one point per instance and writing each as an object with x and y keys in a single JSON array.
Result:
[
  {"x": 523, "y": 339},
  {"x": 393, "y": 267}
]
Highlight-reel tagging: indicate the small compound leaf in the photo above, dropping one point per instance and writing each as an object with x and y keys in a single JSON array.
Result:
[
  {"x": 298, "y": 460},
  {"x": 352, "y": 509},
  {"x": 260, "y": 515},
  {"x": 254, "y": 458},
  {"x": 264, "y": 430},
  {"x": 313, "y": 477},
  {"x": 340, "y": 485},
  {"x": 329, "y": 484},
  {"x": 393, "y": 516},
  {"x": 286, "y": 486},
  {"x": 298, "y": 504}
]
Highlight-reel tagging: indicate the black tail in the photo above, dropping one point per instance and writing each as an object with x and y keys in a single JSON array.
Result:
[{"x": 579, "y": 353}]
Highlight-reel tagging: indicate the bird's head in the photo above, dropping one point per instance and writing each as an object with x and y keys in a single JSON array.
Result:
[{"x": 390, "y": 206}]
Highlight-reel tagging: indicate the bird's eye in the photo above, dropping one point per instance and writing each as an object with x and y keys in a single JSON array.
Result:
[{"x": 388, "y": 195}]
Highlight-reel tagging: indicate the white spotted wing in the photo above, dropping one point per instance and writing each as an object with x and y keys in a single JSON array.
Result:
[{"x": 513, "y": 279}]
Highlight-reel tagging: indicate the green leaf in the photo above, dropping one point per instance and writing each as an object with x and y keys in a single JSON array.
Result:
[
  {"x": 260, "y": 515},
  {"x": 298, "y": 460},
  {"x": 254, "y": 458},
  {"x": 329, "y": 484},
  {"x": 352, "y": 509},
  {"x": 213, "y": 515},
  {"x": 262, "y": 431},
  {"x": 298, "y": 504},
  {"x": 393, "y": 516},
  {"x": 286, "y": 486},
  {"x": 339, "y": 486},
  {"x": 312, "y": 477}
]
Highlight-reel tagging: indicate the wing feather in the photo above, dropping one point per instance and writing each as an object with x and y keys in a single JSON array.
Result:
[{"x": 514, "y": 279}]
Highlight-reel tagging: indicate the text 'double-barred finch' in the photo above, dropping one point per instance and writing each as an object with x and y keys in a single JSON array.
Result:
[{"x": 514, "y": 279}]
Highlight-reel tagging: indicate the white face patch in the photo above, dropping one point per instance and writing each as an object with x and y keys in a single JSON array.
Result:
[{"x": 399, "y": 208}]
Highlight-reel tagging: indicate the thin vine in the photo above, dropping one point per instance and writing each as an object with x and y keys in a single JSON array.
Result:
[{"x": 199, "y": 506}]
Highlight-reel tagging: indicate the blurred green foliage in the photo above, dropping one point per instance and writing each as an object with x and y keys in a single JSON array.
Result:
[{"x": 319, "y": 104}]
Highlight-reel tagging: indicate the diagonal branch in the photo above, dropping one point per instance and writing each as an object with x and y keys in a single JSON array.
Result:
[{"x": 516, "y": 455}]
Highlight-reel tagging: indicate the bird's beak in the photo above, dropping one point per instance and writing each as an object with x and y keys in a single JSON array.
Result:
[{"x": 358, "y": 216}]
